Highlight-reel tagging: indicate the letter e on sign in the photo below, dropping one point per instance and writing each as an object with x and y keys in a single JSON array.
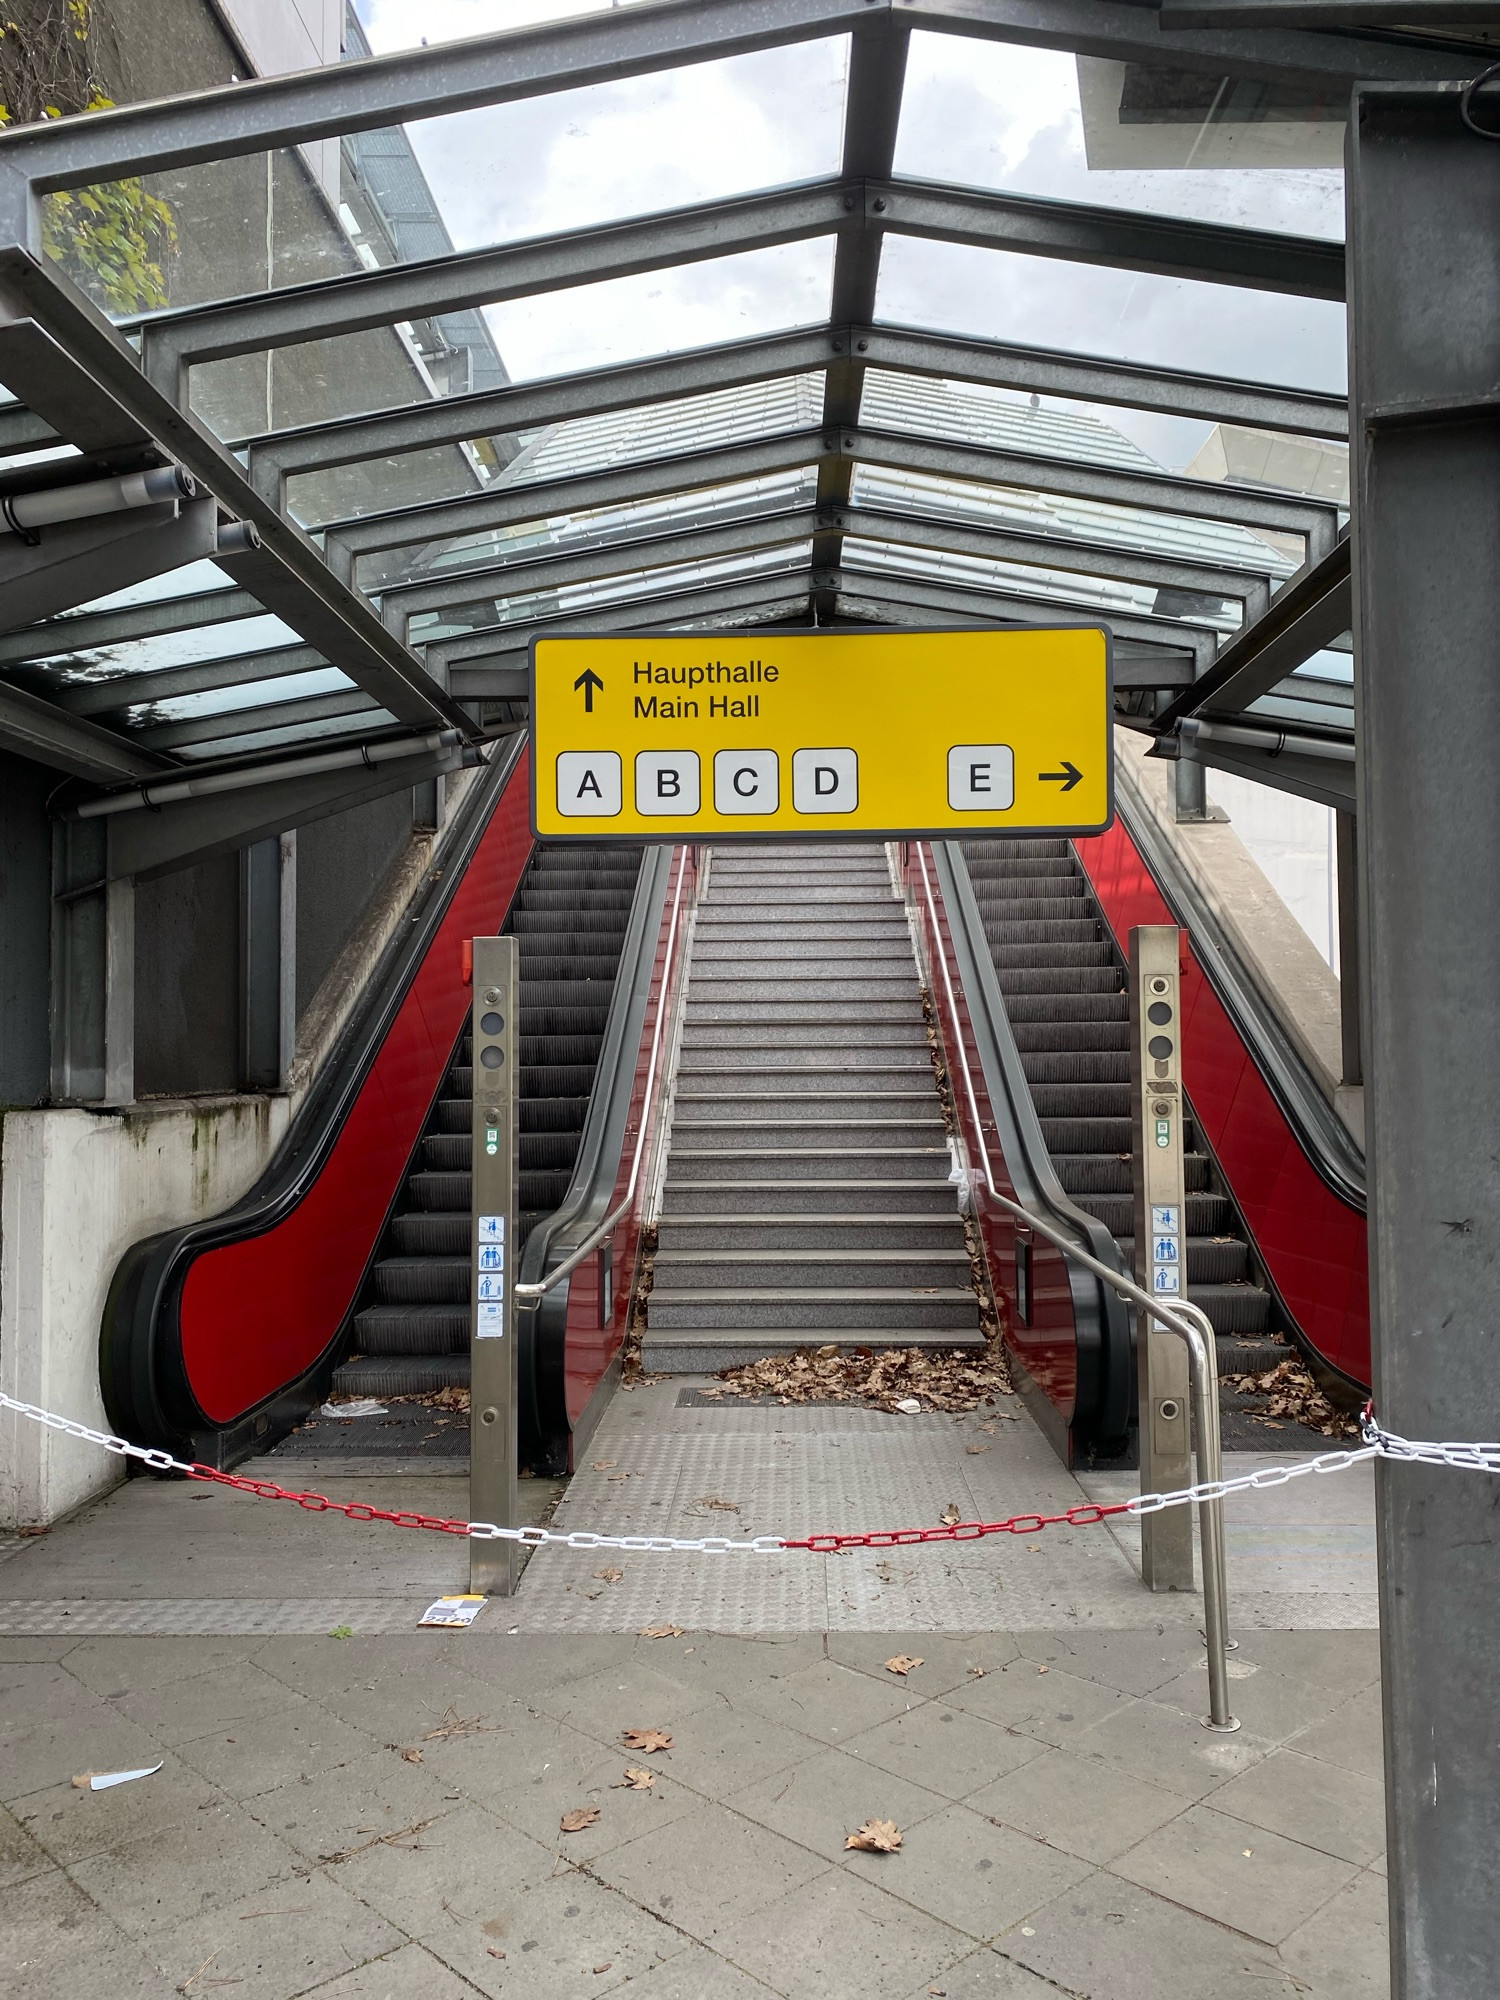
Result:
[{"x": 981, "y": 777}]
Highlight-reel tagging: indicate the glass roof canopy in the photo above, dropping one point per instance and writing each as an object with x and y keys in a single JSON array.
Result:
[{"x": 843, "y": 310}]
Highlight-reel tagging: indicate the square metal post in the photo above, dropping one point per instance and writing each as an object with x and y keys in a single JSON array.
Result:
[
  {"x": 494, "y": 1379},
  {"x": 1162, "y": 1381}
]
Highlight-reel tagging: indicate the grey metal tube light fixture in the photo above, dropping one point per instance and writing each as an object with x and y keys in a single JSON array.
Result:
[
  {"x": 173, "y": 790},
  {"x": 24, "y": 513},
  {"x": 1269, "y": 739}
]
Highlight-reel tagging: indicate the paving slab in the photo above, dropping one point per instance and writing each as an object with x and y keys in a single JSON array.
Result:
[
  {"x": 961, "y": 1867},
  {"x": 1081, "y": 1806},
  {"x": 840, "y": 1937},
  {"x": 1340, "y": 1812},
  {"x": 709, "y": 1870},
  {"x": 820, "y": 1803}
]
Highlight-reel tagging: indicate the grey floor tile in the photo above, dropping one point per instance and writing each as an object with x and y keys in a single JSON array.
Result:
[
  {"x": 311, "y": 1931},
  {"x": 1247, "y": 1877},
  {"x": 20, "y": 1855},
  {"x": 15, "y": 1647},
  {"x": 115, "y": 1667},
  {"x": 831, "y": 1701},
  {"x": 72, "y": 1823},
  {"x": 412, "y": 1706},
  {"x": 632, "y": 1693},
  {"x": 36, "y": 1756},
  {"x": 572, "y": 1771},
  {"x": 961, "y": 1868},
  {"x": 1112, "y": 1941},
  {"x": 188, "y": 1870},
  {"x": 198, "y": 1704},
  {"x": 1274, "y": 1705},
  {"x": 57, "y": 1942},
  {"x": 1351, "y": 1736},
  {"x": 328, "y": 1812},
  {"x": 1169, "y": 1748},
  {"x": 1133, "y": 1662},
  {"x": 707, "y": 1870},
  {"x": 1041, "y": 1700},
  {"x": 1320, "y": 1804},
  {"x": 409, "y": 1973},
  {"x": 294, "y": 1741},
  {"x": 719, "y": 1750},
  {"x": 566, "y": 1936},
  {"x": 44, "y": 1691},
  {"x": 448, "y": 1871},
  {"x": 1343, "y": 1953},
  {"x": 1078, "y": 1804},
  {"x": 821, "y": 1802},
  {"x": 946, "y": 1661},
  {"x": 841, "y": 1939},
  {"x": 1344, "y": 1661},
  {"x": 697, "y": 1973},
  {"x": 985, "y": 1975},
  {"x": 945, "y": 1749}
]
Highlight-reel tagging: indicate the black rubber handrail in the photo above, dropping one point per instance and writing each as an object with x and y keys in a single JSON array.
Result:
[
  {"x": 1325, "y": 1139},
  {"x": 1105, "y": 1396},
  {"x": 142, "y": 1376},
  {"x": 543, "y": 1334}
]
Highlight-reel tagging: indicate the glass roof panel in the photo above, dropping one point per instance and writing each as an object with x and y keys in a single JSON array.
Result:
[
  {"x": 657, "y": 430},
  {"x": 1100, "y": 594},
  {"x": 88, "y": 666},
  {"x": 233, "y": 700},
  {"x": 1172, "y": 142},
  {"x": 1130, "y": 315}
]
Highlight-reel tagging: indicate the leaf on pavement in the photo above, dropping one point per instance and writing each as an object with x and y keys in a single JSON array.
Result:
[
  {"x": 411, "y": 1755},
  {"x": 579, "y": 1818},
  {"x": 876, "y": 1836},
  {"x": 635, "y": 1780},
  {"x": 950, "y": 1516},
  {"x": 903, "y": 1663},
  {"x": 649, "y": 1740},
  {"x": 662, "y": 1631},
  {"x": 609, "y": 1575}
]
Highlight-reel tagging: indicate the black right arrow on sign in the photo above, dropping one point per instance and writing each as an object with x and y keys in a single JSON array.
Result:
[{"x": 1067, "y": 777}]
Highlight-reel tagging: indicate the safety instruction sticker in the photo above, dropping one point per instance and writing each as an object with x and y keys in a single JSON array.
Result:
[
  {"x": 492, "y": 1228},
  {"x": 489, "y": 1323},
  {"x": 1169, "y": 1219},
  {"x": 492, "y": 1257}
]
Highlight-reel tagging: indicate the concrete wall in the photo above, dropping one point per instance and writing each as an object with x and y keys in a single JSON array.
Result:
[
  {"x": 187, "y": 988},
  {"x": 25, "y": 919},
  {"x": 340, "y": 861}
]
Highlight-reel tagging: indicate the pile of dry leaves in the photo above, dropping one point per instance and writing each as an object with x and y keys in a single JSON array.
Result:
[
  {"x": 954, "y": 1380},
  {"x": 1292, "y": 1393}
]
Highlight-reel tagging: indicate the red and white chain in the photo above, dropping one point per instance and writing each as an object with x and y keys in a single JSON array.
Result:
[{"x": 1378, "y": 1444}]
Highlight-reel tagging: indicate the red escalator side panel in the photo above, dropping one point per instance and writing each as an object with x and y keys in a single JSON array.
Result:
[
  {"x": 1312, "y": 1242},
  {"x": 256, "y": 1314},
  {"x": 590, "y": 1345}
]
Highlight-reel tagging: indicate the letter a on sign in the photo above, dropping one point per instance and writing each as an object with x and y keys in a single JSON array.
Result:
[{"x": 588, "y": 784}]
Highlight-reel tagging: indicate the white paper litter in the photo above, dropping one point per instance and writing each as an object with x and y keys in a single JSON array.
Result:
[
  {"x": 100, "y": 1781},
  {"x": 360, "y": 1406},
  {"x": 452, "y": 1611},
  {"x": 909, "y": 1406}
]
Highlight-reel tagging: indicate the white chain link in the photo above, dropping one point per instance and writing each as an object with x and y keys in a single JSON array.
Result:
[{"x": 1378, "y": 1444}]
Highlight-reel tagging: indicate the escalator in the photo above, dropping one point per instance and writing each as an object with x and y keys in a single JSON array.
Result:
[
  {"x": 1064, "y": 985},
  {"x": 410, "y": 1331}
]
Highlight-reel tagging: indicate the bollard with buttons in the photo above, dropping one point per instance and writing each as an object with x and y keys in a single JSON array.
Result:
[
  {"x": 494, "y": 1375},
  {"x": 1162, "y": 1377}
]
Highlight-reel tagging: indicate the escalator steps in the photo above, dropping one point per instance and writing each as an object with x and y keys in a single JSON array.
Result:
[
  {"x": 1064, "y": 989},
  {"x": 411, "y": 1329}
]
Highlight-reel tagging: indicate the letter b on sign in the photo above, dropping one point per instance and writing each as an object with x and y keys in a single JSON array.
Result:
[
  {"x": 825, "y": 781},
  {"x": 667, "y": 784}
]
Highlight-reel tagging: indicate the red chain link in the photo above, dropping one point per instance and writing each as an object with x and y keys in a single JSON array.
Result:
[
  {"x": 318, "y": 1503},
  {"x": 1085, "y": 1515}
]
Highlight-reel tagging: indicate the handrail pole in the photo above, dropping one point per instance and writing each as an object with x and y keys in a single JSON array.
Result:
[
  {"x": 1191, "y": 1325},
  {"x": 530, "y": 1296}
]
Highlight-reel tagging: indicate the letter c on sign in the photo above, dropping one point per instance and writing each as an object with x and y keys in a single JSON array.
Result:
[{"x": 746, "y": 791}]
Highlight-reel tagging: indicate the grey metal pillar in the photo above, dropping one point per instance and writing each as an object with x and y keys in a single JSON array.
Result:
[
  {"x": 1352, "y": 1065},
  {"x": 1191, "y": 789},
  {"x": 93, "y": 971},
  {"x": 1424, "y": 198},
  {"x": 1162, "y": 1372},
  {"x": 268, "y": 961},
  {"x": 494, "y": 1380}
]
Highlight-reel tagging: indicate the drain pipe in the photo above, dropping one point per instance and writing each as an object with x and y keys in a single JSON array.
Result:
[{"x": 24, "y": 514}]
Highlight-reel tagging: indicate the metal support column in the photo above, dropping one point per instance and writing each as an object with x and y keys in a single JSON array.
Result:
[
  {"x": 1424, "y": 195},
  {"x": 1162, "y": 1373},
  {"x": 93, "y": 971},
  {"x": 268, "y": 963},
  {"x": 494, "y": 1567},
  {"x": 1190, "y": 795},
  {"x": 1346, "y": 833}
]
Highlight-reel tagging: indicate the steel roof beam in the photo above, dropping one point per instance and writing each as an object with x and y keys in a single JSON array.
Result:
[
  {"x": 287, "y": 572},
  {"x": 342, "y": 98},
  {"x": 1437, "y": 16},
  {"x": 278, "y": 456},
  {"x": 224, "y": 724},
  {"x": 34, "y": 728}
]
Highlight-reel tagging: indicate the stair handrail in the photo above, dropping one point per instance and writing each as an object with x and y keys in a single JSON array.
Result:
[
  {"x": 1189, "y": 1322},
  {"x": 530, "y": 1296}
]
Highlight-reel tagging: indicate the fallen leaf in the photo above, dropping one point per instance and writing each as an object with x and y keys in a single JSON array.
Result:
[
  {"x": 903, "y": 1663},
  {"x": 493, "y": 1952},
  {"x": 662, "y": 1631},
  {"x": 979, "y": 1672},
  {"x": 950, "y": 1516},
  {"x": 972, "y": 1448},
  {"x": 604, "y": 1464},
  {"x": 876, "y": 1836},
  {"x": 603, "y": 1968},
  {"x": 649, "y": 1740},
  {"x": 410, "y": 1755},
  {"x": 1044, "y": 1670},
  {"x": 905, "y": 1379},
  {"x": 718, "y": 1506},
  {"x": 609, "y": 1575},
  {"x": 579, "y": 1818},
  {"x": 635, "y": 1780}
]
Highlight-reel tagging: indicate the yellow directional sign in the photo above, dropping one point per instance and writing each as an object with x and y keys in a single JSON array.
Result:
[{"x": 750, "y": 734}]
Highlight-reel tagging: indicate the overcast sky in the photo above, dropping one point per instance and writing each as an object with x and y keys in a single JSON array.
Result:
[{"x": 977, "y": 112}]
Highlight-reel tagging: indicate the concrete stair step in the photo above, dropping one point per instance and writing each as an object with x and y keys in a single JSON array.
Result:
[
  {"x": 800, "y": 1199},
  {"x": 811, "y": 1041},
  {"x": 736, "y": 956},
  {"x": 704, "y": 1353},
  {"x": 715, "y": 1269},
  {"x": 731, "y": 1134},
  {"x": 807, "y": 985},
  {"x": 695, "y": 1103},
  {"x": 817, "y": 1163},
  {"x": 808, "y": 1012},
  {"x": 830, "y": 1232},
  {"x": 812, "y": 1309}
]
